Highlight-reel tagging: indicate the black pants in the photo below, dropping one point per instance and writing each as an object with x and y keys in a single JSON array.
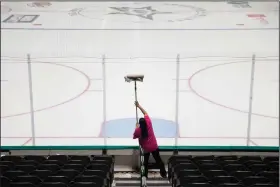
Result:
[{"x": 158, "y": 162}]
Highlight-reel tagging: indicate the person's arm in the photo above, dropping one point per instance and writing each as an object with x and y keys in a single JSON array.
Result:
[
  {"x": 137, "y": 133},
  {"x": 146, "y": 116},
  {"x": 141, "y": 108}
]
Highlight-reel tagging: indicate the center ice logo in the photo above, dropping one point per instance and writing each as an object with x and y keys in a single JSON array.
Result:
[{"x": 140, "y": 13}]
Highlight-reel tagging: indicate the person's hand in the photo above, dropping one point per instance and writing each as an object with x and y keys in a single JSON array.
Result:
[{"x": 136, "y": 103}]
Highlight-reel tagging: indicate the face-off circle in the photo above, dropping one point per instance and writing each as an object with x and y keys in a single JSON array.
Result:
[
  {"x": 60, "y": 88},
  {"x": 141, "y": 13},
  {"x": 230, "y": 91}
]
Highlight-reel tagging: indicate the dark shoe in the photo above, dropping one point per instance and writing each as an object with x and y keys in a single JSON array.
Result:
[{"x": 163, "y": 174}]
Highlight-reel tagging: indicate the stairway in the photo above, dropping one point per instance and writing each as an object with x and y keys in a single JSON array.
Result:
[{"x": 132, "y": 179}]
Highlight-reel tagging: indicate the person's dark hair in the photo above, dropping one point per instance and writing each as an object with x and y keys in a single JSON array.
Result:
[{"x": 143, "y": 127}]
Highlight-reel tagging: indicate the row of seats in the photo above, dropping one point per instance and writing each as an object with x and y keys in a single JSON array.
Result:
[
  {"x": 57, "y": 171},
  {"x": 61, "y": 158},
  {"x": 230, "y": 171}
]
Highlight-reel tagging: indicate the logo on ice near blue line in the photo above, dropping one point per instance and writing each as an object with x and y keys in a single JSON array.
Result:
[
  {"x": 239, "y": 3},
  {"x": 140, "y": 13},
  {"x": 124, "y": 128}
]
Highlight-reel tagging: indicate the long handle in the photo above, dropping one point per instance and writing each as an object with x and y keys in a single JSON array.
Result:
[
  {"x": 135, "y": 93},
  {"x": 31, "y": 99},
  {"x": 142, "y": 167},
  {"x": 251, "y": 100}
]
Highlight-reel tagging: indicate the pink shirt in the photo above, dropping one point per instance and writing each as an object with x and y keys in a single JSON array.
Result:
[{"x": 149, "y": 144}]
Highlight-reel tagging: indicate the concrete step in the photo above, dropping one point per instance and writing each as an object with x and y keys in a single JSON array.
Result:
[
  {"x": 133, "y": 182},
  {"x": 131, "y": 174}
]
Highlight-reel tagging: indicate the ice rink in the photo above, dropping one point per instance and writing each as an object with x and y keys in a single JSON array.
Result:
[{"x": 205, "y": 64}]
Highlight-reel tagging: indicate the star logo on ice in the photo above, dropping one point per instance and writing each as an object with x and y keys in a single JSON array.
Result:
[
  {"x": 144, "y": 12},
  {"x": 140, "y": 13}
]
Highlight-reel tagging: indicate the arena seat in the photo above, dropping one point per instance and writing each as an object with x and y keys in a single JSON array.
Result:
[
  {"x": 4, "y": 181},
  {"x": 56, "y": 171},
  {"x": 84, "y": 184},
  {"x": 98, "y": 171},
  {"x": 4, "y": 168},
  {"x": 28, "y": 179},
  {"x": 8, "y": 164},
  {"x": 53, "y": 184},
  {"x": 21, "y": 184},
  {"x": 42, "y": 174},
  {"x": 11, "y": 158},
  {"x": 98, "y": 180},
  {"x": 223, "y": 171},
  {"x": 39, "y": 159}
]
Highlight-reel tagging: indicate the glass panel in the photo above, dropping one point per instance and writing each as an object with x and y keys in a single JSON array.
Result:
[{"x": 15, "y": 102}]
